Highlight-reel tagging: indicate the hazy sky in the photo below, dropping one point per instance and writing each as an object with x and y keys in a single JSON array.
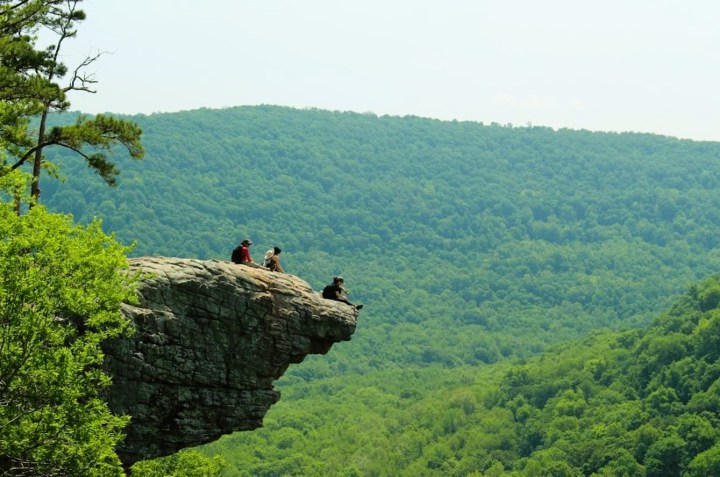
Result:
[{"x": 611, "y": 65}]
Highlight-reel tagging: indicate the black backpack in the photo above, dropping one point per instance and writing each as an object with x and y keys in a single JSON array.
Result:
[{"x": 236, "y": 256}]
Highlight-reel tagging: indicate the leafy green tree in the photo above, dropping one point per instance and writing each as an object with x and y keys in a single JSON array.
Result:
[
  {"x": 549, "y": 463},
  {"x": 61, "y": 287},
  {"x": 186, "y": 463},
  {"x": 698, "y": 432},
  {"x": 706, "y": 463},
  {"x": 621, "y": 463},
  {"x": 665, "y": 457}
]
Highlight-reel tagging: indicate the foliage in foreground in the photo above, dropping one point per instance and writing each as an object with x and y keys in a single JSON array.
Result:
[
  {"x": 61, "y": 286},
  {"x": 186, "y": 463}
]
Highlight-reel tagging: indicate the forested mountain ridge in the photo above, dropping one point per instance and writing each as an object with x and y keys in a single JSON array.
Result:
[{"x": 470, "y": 242}]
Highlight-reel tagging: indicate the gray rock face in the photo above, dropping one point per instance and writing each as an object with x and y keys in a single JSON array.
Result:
[{"x": 210, "y": 338}]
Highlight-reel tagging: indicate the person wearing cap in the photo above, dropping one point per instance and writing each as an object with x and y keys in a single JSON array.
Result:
[
  {"x": 241, "y": 255},
  {"x": 335, "y": 291}
]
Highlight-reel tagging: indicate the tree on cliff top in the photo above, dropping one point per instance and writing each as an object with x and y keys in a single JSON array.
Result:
[{"x": 29, "y": 88}]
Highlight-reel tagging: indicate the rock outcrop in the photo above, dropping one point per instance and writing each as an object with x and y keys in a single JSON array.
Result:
[{"x": 210, "y": 338}]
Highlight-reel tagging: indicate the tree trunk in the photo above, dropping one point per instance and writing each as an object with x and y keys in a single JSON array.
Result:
[{"x": 37, "y": 164}]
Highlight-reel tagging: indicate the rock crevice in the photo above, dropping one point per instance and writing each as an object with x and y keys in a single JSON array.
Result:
[{"x": 210, "y": 338}]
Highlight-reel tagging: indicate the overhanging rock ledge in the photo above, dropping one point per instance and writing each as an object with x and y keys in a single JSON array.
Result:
[{"x": 210, "y": 338}]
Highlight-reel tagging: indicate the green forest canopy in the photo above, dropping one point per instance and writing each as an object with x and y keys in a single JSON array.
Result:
[
  {"x": 469, "y": 243},
  {"x": 633, "y": 403}
]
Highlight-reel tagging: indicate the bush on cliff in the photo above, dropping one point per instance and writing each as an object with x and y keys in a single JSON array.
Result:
[{"x": 61, "y": 286}]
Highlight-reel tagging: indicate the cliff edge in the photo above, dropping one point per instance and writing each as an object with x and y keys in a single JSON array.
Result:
[{"x": 210, "y": 338}]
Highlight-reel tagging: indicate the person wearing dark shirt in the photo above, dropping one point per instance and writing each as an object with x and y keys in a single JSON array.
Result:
[
  {"x": 241, "y": 255},
  {"x": 335, "y": 291}
]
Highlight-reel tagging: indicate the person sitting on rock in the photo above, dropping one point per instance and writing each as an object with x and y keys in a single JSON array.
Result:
[
  {"x": 335, "y": 291},
  {"x": 272, "y": 261},
  {"x": 241, "y": 255}
]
